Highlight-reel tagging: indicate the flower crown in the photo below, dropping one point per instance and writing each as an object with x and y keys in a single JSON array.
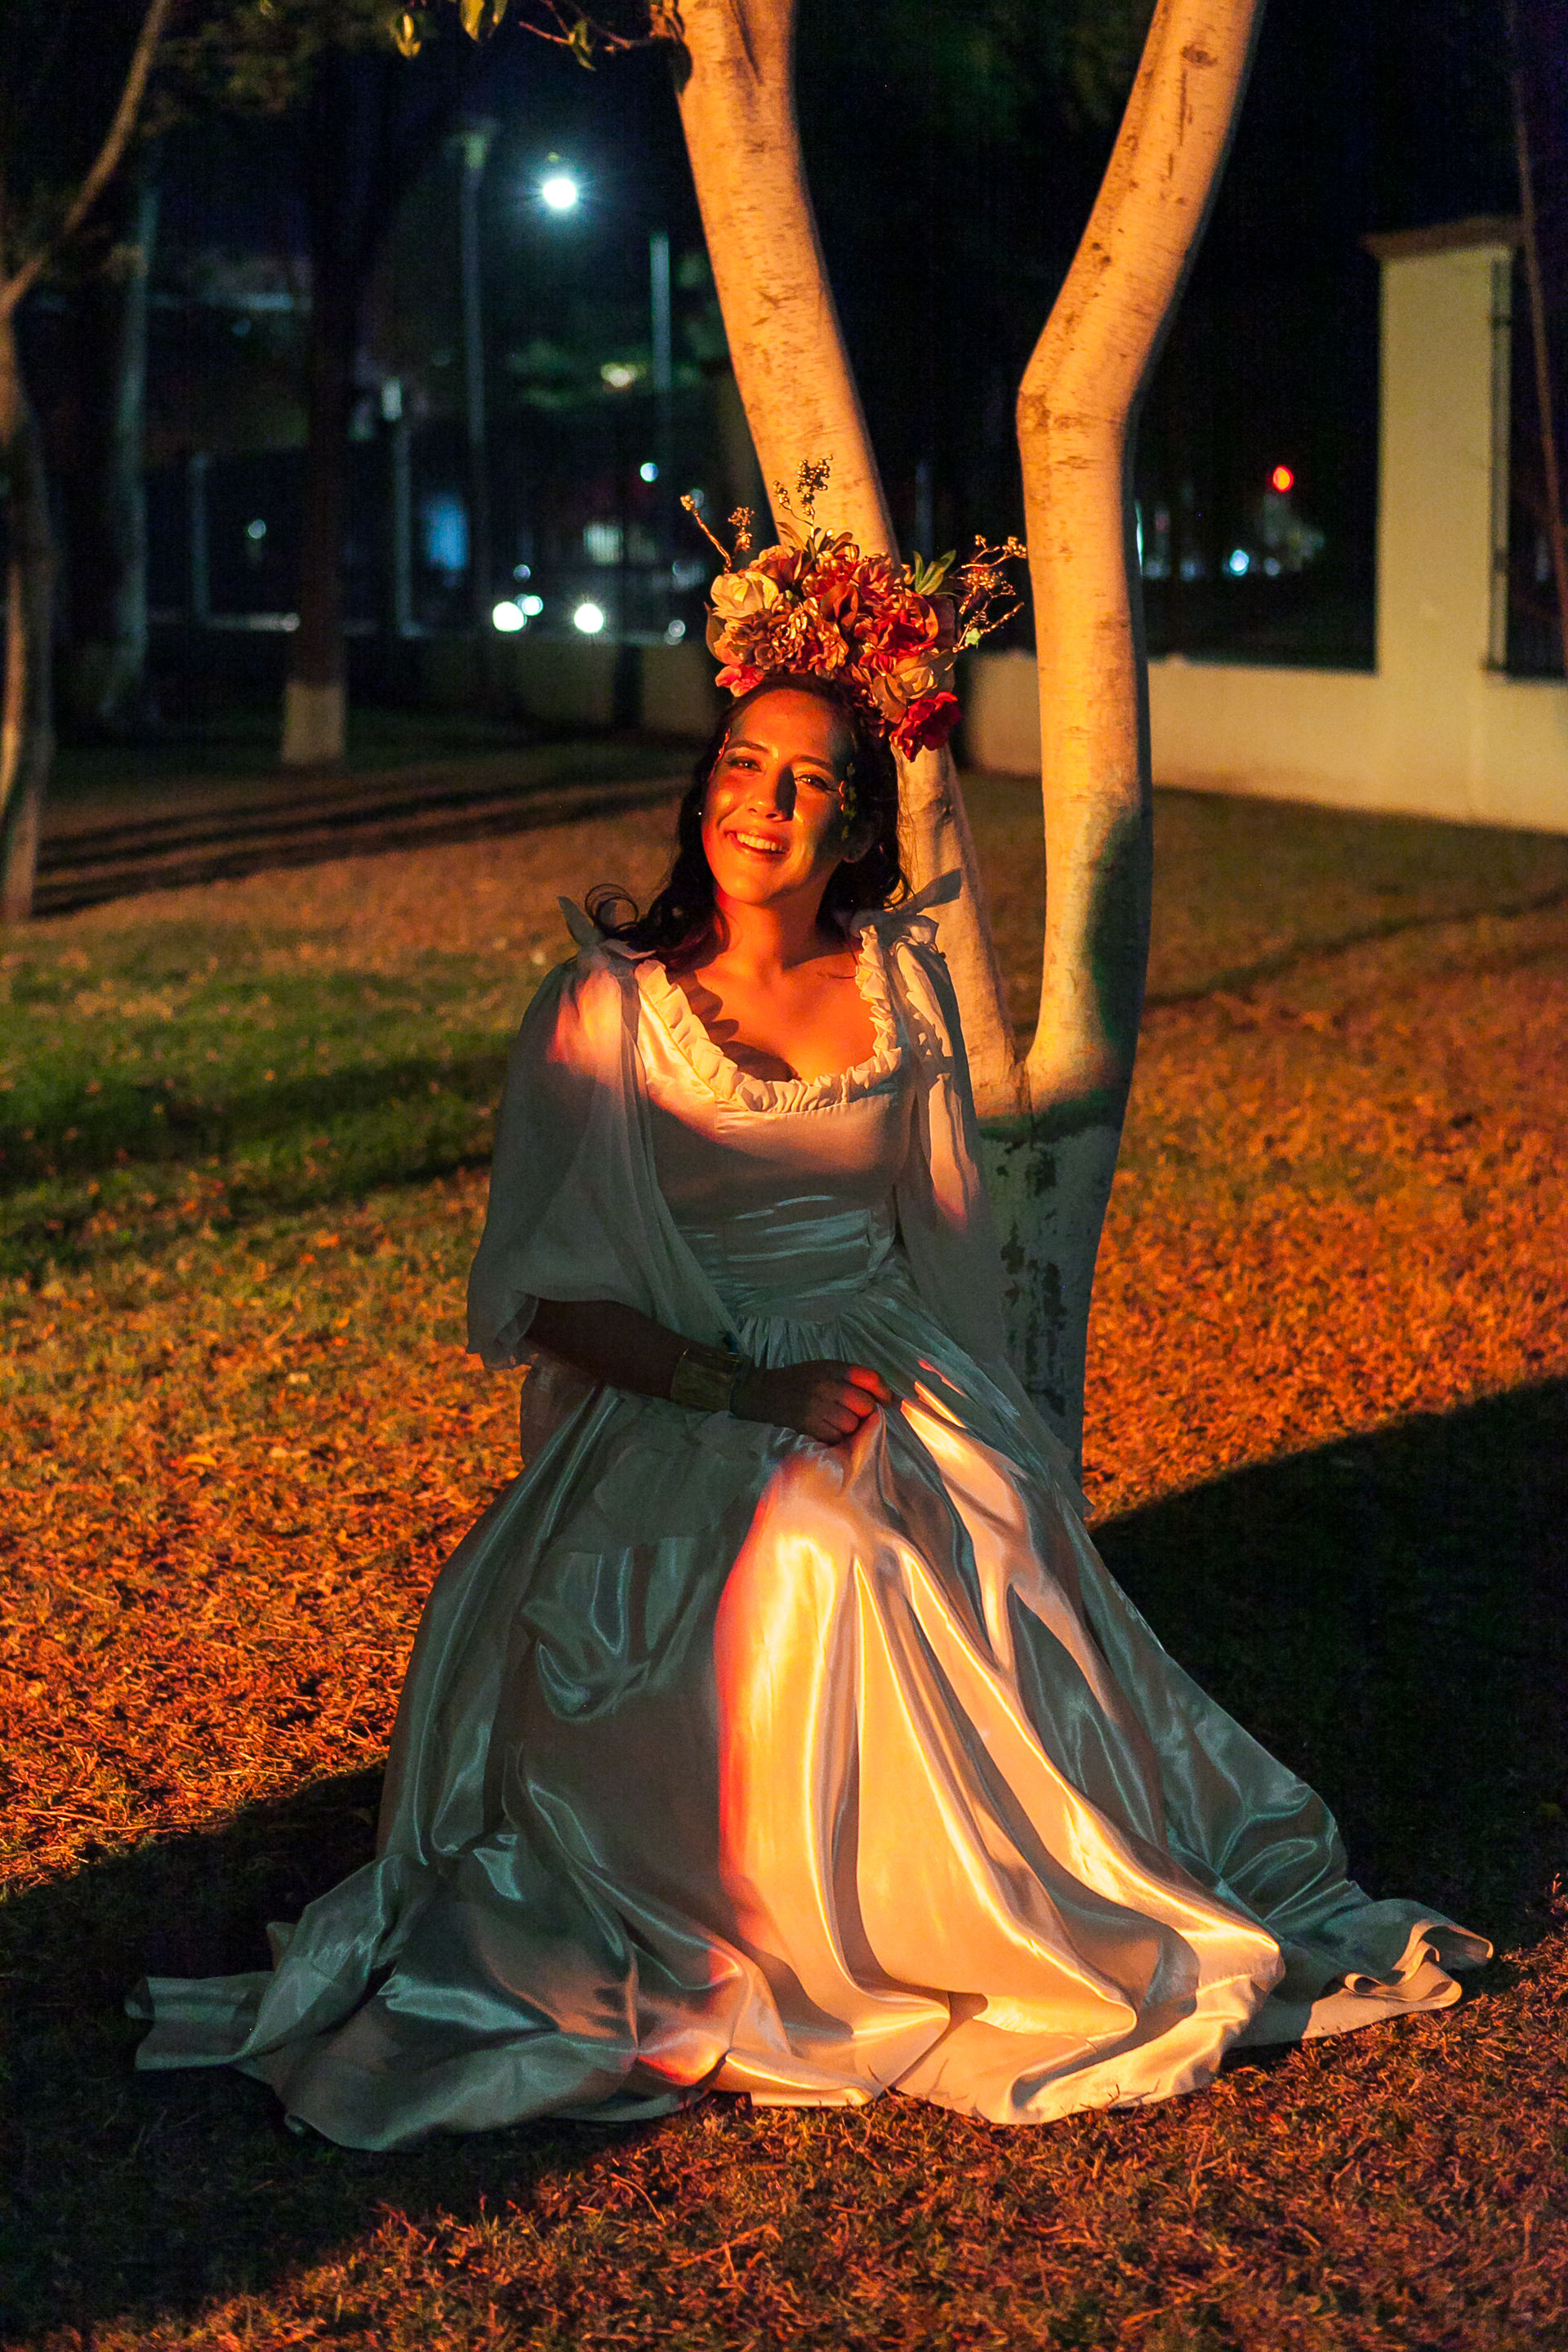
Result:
[{"x": 886, "y": 637}]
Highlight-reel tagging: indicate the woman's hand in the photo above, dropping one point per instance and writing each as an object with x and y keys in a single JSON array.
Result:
[{"x": 824, "y": 1399}]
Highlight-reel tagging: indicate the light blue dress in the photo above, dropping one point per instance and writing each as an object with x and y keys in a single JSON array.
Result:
[{"x": 728, "y": 1760}]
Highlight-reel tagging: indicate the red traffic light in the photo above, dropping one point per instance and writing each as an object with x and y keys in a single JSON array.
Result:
[{"x": 1281, "y": 479}]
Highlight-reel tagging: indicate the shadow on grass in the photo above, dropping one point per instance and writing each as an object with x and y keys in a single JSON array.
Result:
[
  {"x": 141, "y": 1123},
  {"x": 1384, "y": 1613}
]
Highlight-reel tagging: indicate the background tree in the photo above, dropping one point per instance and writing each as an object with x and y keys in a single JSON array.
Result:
[
  {"x": 93, "y": 422},
  {"x": 41, "y": 211},
  {"x": 363, "y": 125}
]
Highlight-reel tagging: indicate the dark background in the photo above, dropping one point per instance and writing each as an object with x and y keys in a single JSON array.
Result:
[{"x": 954, "y": 171}]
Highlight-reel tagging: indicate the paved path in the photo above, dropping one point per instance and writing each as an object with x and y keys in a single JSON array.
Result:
[{"x": 109, "y": 843}]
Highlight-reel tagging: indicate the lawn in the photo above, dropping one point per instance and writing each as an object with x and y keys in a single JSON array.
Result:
[{"x": 244, "y": 1130}]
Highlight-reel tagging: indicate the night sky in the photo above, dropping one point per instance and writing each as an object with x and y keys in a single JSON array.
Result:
[{"x": 949, "y": 218}]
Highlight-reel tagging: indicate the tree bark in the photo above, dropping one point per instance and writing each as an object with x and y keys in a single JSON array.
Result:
[
  {"x": 104, "y": 494},
  {"x": 1052, "y": 1121},
  {"x": 315, "y": 701},
  {"x": 737, "y": 108},
  {"x": 364, "y": 133},
  {"x": 26, "y": 723},
  {"x": 1050, "y": 1169},
  {"x": 26, "y": 717}
]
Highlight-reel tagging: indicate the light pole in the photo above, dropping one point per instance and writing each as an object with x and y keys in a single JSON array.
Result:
[
  {"x": 663, "y": 390},
  {"x": 474, "y": 145},
  {"x": 560, "y": 190}
]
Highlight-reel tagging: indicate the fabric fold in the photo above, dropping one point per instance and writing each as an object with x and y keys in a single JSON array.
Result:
[{"x": 728, "y": 1760}]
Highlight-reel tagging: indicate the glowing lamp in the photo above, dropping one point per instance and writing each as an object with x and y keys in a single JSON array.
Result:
[
  {"x": 508, "y": 618},
  {"x": 559, "y": 192},
  {"x": 589, "y": 618},
  {"x": 1281, "y": 479}
]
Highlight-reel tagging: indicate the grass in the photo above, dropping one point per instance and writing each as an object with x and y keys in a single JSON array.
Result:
[{"x": 245, "y": 1130}]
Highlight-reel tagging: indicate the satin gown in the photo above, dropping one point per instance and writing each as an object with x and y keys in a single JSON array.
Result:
[{"x": 732, "y": 1761}]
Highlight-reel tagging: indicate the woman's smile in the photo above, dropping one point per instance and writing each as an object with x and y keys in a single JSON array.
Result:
[{"x": 774, "y": 799}]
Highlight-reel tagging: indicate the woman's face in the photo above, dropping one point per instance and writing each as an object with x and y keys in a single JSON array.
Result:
[{"x": 773, "y": 821}]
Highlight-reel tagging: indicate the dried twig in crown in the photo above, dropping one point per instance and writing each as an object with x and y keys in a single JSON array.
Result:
[{"x": 689, "y": 503}]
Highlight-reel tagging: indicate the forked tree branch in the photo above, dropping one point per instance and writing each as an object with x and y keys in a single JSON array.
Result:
[
  {"x": 105, "y": 164},
  {"x": 1077, "y": 409}
]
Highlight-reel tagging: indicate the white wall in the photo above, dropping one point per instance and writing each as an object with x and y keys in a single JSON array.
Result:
[{"x": 1435, "y": 730}]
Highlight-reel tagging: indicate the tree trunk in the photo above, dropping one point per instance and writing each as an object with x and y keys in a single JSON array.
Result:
[
  {"x": 365, "y": 134},
  {"x": 342, "y": 139},
  {"x": 1052, "y": 1122},
  {"x": 315, "y": 700},
  {"x": 27, "y": 727},
  {"x": 105, "y": 502},
  {"x": 737, "y": 107},
  {"x": 1050, "y": 1169}
]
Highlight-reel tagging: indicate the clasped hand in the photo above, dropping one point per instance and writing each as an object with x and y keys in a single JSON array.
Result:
[{"x": 824, "y": 1399}]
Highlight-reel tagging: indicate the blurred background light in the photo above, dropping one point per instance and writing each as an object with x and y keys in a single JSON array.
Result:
[{"x": 559, "y": 192}]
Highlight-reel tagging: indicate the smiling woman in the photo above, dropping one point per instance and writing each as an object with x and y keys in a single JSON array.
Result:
[
  {"x": 792, "y": 809},
  {"x": 780, "y": 1730},
  {"x": 809, "y": 760}
]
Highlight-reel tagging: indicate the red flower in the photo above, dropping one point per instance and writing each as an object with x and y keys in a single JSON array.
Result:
[
  {"x": 739, "y": 678},
  {"x": 927, "y": 724}
]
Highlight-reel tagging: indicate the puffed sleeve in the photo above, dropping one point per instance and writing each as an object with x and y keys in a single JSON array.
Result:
[
  {"x": 566, "y": 1214},
  {"x": 945, "y": 1212}
]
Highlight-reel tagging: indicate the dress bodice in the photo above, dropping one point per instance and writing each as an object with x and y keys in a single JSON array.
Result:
[{"x": 782, "y": 1189}]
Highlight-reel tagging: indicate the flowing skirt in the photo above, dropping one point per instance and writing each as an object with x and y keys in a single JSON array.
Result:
[{"x": 731, "y": 1761}]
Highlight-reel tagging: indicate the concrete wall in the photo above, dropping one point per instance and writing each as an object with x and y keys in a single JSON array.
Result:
[
  {"x": 570, "y": 682},
  {"x": 1437, "y": 730}
]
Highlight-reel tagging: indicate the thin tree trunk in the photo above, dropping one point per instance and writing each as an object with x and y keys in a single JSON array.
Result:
[
  {"x": 26, "y": 721},
  {"x": 1052, "y": 1121},
  {"x": 1050, "y": 1169},
  {"x": 365, "y": 134},
  {"x": 26, "y": 727},
  {"x": 105, "y": 498},
  {"x": 737, "y": 107},
  {"x": 315, "y": 700}
]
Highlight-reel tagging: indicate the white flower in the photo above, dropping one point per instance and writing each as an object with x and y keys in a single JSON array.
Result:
[{"x": 737, "y": 593}]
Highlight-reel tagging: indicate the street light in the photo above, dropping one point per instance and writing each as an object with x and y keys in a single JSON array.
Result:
[{"x": 559, "y": 192}]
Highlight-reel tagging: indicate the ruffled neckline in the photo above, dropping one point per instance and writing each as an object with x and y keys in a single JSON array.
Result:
[{"x": 729, "y": 1083}]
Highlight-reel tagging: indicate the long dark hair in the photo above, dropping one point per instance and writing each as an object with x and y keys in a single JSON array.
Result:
[{"x": 682, "y": 918}]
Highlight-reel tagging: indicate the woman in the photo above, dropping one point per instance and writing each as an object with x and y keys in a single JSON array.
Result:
[{"x": 779, "y": 1730}]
